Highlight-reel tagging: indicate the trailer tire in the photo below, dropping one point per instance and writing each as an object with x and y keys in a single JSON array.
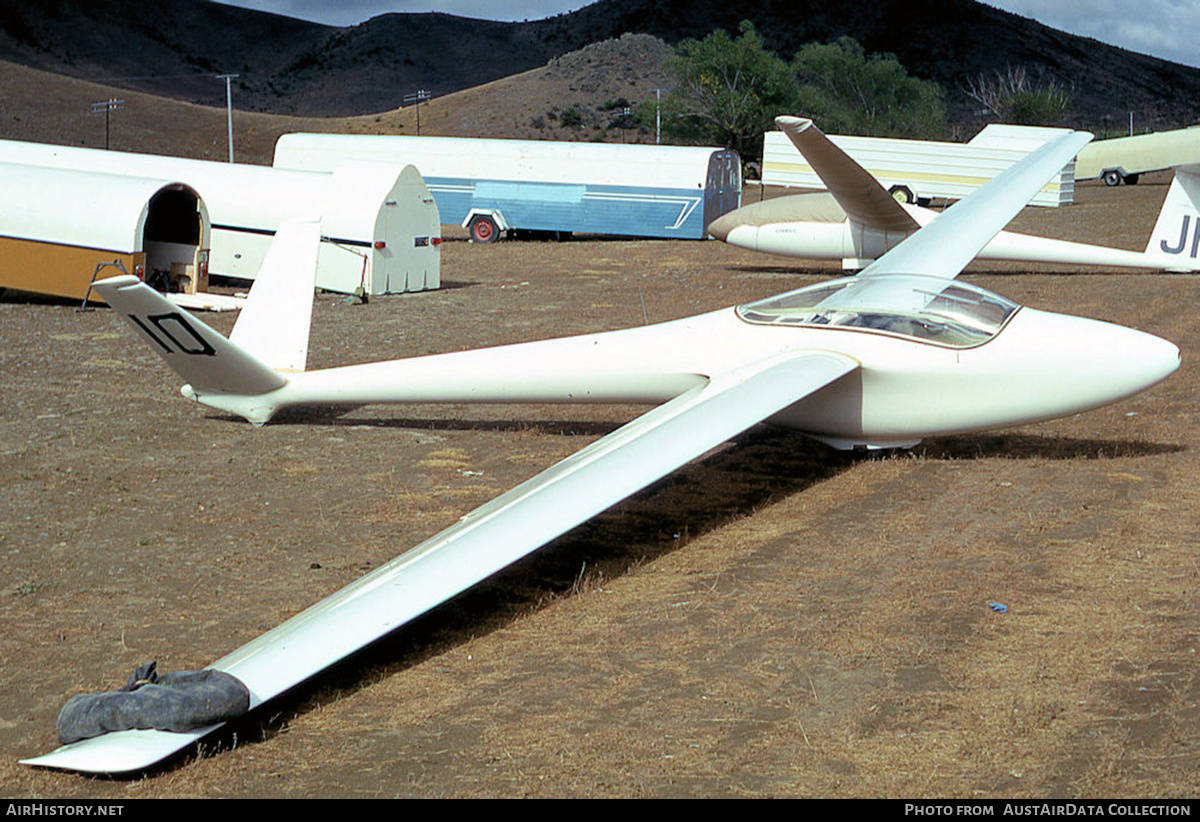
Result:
[
  {"x": 1132, "y": 179},
  {"x": 903, "y": 194},
  {"x": 483, "y": 229},
  {"x": 1111, "y": 178}
]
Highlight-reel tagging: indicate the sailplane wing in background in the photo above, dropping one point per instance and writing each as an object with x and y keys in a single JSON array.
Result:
[
  {"x": 861, "y": 196},
  {"x": 943, "y": 247}
]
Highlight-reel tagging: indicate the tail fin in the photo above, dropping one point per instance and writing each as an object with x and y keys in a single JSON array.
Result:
[
  {"x": 274, "y": 324},
  {"x": 1176, "y": 235},
  {"x": 204, "y": 358}
]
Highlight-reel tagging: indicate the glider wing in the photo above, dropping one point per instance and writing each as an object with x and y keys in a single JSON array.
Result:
[
  {"x": 484, "y": 541},
  {"x": 945, "y": 246},
  {"x": 859, "y": 194}
]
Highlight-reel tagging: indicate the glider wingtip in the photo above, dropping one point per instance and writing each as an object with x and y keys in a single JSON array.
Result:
[
  {"x": 111, "y": 284},
  {"x": 790, "y": 123}
]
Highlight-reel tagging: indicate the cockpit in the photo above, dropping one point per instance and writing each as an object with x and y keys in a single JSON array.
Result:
[{"x": 929, "y": 309}]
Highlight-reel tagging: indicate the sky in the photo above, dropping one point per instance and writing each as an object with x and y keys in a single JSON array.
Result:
[{"x": 1163, "y": 28}]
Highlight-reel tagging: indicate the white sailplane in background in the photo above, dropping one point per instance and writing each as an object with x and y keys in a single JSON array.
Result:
[
  {"x": 900, "y": 352},
  {"x": 857, "y": 220}
]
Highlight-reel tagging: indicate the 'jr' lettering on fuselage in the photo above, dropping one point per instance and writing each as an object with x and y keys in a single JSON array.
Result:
[{"x": 1183, "y": 236}]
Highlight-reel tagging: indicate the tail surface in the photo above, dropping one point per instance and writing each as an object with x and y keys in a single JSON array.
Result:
[
  {"x": 275, "y": 322},
  {"x": 270, "y": 336},
  {"x": 1176, "y": 236},
  {"x": 201, "y": 356}
]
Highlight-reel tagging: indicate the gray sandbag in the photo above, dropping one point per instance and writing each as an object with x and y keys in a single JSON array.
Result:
[{"x": 178, "y": 701}]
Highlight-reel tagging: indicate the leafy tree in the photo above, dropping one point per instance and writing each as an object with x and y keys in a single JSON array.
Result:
[
  {"x": 571, "y": 118},
  {"x": 848, "y": 91},
  {"x": 729, "y": 91},
  {"x": 1015, "y": 98}
]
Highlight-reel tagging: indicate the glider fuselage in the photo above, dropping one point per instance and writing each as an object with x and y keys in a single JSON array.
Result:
[
  {"x": 1033, "y": 366},
  {"x": 811, "y": 226}
]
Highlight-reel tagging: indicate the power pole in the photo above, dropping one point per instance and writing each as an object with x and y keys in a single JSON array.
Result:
[
  {"x": 107, "y": 106},
  {"x": 417, "y": 97}
]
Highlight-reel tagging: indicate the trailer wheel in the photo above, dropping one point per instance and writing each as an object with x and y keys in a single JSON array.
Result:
[
  {"x": 1132, "y": 179},
  {"x": 903, "y": 194},
  {"x": 1111, "y": 178},
  {"x": 483, "y": 229}
]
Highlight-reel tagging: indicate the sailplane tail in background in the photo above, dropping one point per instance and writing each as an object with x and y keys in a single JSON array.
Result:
[{"x": 1176, "y": 236}]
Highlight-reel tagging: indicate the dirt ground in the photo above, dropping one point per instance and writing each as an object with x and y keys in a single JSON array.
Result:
[{"x": 776, "y": 619}]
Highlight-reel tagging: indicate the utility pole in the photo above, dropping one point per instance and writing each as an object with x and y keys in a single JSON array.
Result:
[
  {"x": 228, "y": 78},
  {"x": 107, "y": 106},
  {"x": 657, "y": 116},
  {"x": 417, "y": 97}
]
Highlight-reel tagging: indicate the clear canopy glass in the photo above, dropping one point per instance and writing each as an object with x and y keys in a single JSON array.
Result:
[{"x": 930, "y": 309}]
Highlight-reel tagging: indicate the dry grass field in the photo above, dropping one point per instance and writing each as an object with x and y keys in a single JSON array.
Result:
[{"x": 775, "y": 619}]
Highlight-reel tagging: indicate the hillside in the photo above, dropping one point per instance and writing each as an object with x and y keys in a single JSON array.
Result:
[
  {"x": 287, "y": 66},
  {"x": 45, "y": 107}
]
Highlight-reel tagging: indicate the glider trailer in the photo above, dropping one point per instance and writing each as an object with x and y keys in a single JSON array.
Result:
[
  {"x": 853, "y": 362},
  {"x": 55, "y": 240},
  {"x": 380, "y": 229},
  {"x": 492, "y": 187}
]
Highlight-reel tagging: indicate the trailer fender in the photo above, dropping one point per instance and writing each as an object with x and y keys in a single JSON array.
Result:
[
  {"x": 485, "y": 224},
  {"x": 1116, "y": 176}
]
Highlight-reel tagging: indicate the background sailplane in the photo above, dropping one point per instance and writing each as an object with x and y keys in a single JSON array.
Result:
[{"x": 856, "y": 220}]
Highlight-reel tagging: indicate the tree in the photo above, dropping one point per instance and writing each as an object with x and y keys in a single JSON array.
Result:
[
  {"x": 729, "y": 91},
  {"x": 848, "y": 91},
  {"x": 1013, "y": 97}
]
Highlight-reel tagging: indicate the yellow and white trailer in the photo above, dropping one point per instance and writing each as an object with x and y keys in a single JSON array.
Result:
[{"x": 59, "y": 226}]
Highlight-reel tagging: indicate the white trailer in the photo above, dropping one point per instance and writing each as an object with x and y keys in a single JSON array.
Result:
[
  {"x": 59, "y": 228},
  {"x": 1125, "y": 159},
  {"x": 493, "y": 186},
  {"x": 380, "y": 229},
  {"x": 920, "y": 170}
]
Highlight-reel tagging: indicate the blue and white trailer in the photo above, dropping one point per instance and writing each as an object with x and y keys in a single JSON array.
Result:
[{"x": 494, "y": 186}]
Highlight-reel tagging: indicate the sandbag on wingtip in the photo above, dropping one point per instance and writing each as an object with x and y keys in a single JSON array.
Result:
[{"x": 176, "y": 701}]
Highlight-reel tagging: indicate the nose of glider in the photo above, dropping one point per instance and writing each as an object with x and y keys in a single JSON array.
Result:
[
  {"x": 733, "y": 228},
  {"x": 721, "y": 227},
  {"x": 740, "y": 226},
  {"x": 1138, "y": 360},
  {"x": 1087, "y": 363},
  {"x": 785, "y": 225}
]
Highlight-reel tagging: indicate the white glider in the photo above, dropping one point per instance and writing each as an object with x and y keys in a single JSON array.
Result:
[
  {"x": 900, "y": 352},
  {"x": 857, "y": 220}
]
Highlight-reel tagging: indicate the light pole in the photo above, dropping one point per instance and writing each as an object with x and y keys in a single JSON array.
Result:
[
  {"x": 657, "y": 116},
  {"x": 228, "y": 78}
]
